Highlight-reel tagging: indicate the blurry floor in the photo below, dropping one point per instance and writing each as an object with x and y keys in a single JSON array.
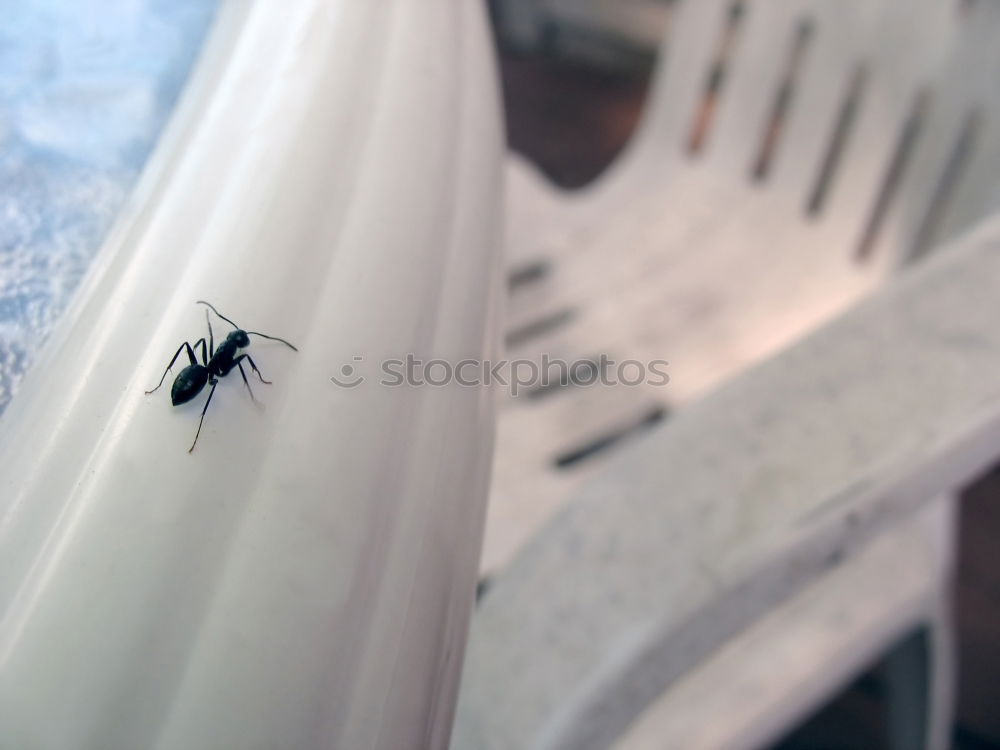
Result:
[
  {"x": 978, "y": 613},
  {"x": 571, "y": 121}
]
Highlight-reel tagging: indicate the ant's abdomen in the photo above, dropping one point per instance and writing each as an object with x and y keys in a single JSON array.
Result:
[{"x": 188, "y": 384}]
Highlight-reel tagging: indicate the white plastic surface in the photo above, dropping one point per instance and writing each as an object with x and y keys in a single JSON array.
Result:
[{"x": 303, "y": 579}]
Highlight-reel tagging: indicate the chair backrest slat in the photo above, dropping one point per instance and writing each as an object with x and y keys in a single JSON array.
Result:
[
  {"x": 824, "y": 105},
  {"x": 691, "y": 67},
  {"x": 957, "y": 172}
]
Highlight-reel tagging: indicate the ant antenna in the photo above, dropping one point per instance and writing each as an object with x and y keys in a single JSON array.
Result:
[
  {"x": 251, "y": 333},
  {"x": 273, "y": 338},
  {"x": 209, "y": 304}
]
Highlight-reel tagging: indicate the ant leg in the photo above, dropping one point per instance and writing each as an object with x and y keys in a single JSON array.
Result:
[
  {"x": 211, "y": 339},
  {"x": 190, "y": 353},
  {"x": 253, "y": 366},
  {"x": 245, "y": 381},
  {"x": 204, "y": 352},
  {"x": 202, "y": 420}
]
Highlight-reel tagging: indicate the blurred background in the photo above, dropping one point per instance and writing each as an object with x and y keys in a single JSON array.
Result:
[{"x": 575, "y": 76}]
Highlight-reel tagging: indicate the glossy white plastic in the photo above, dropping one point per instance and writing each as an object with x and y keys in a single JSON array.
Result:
[{"x": 304, "y": 578}]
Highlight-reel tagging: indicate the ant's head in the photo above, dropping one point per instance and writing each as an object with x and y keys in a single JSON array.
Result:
[{"x": 240, "y": 338}]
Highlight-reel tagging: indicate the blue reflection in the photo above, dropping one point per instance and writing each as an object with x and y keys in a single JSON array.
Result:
[{"x": 85, "y": 88}]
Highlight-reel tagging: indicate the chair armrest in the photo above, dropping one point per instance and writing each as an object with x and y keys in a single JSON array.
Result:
[{"x": 304, "y": 578}]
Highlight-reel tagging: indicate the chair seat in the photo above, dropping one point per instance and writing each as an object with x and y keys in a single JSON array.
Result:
[{"x": 707, "y": 276}]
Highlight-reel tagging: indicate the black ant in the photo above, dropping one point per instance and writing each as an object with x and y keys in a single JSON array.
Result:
[{"x": 216, "y": 363}]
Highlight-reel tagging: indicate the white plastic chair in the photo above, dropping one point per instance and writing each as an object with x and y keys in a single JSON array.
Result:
[
  {"x": 724, "y": 234},
  {"x": 716, "y": 257}
]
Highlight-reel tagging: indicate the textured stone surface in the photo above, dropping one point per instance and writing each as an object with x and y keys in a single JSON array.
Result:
[{"x": 85, "y": 88}]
